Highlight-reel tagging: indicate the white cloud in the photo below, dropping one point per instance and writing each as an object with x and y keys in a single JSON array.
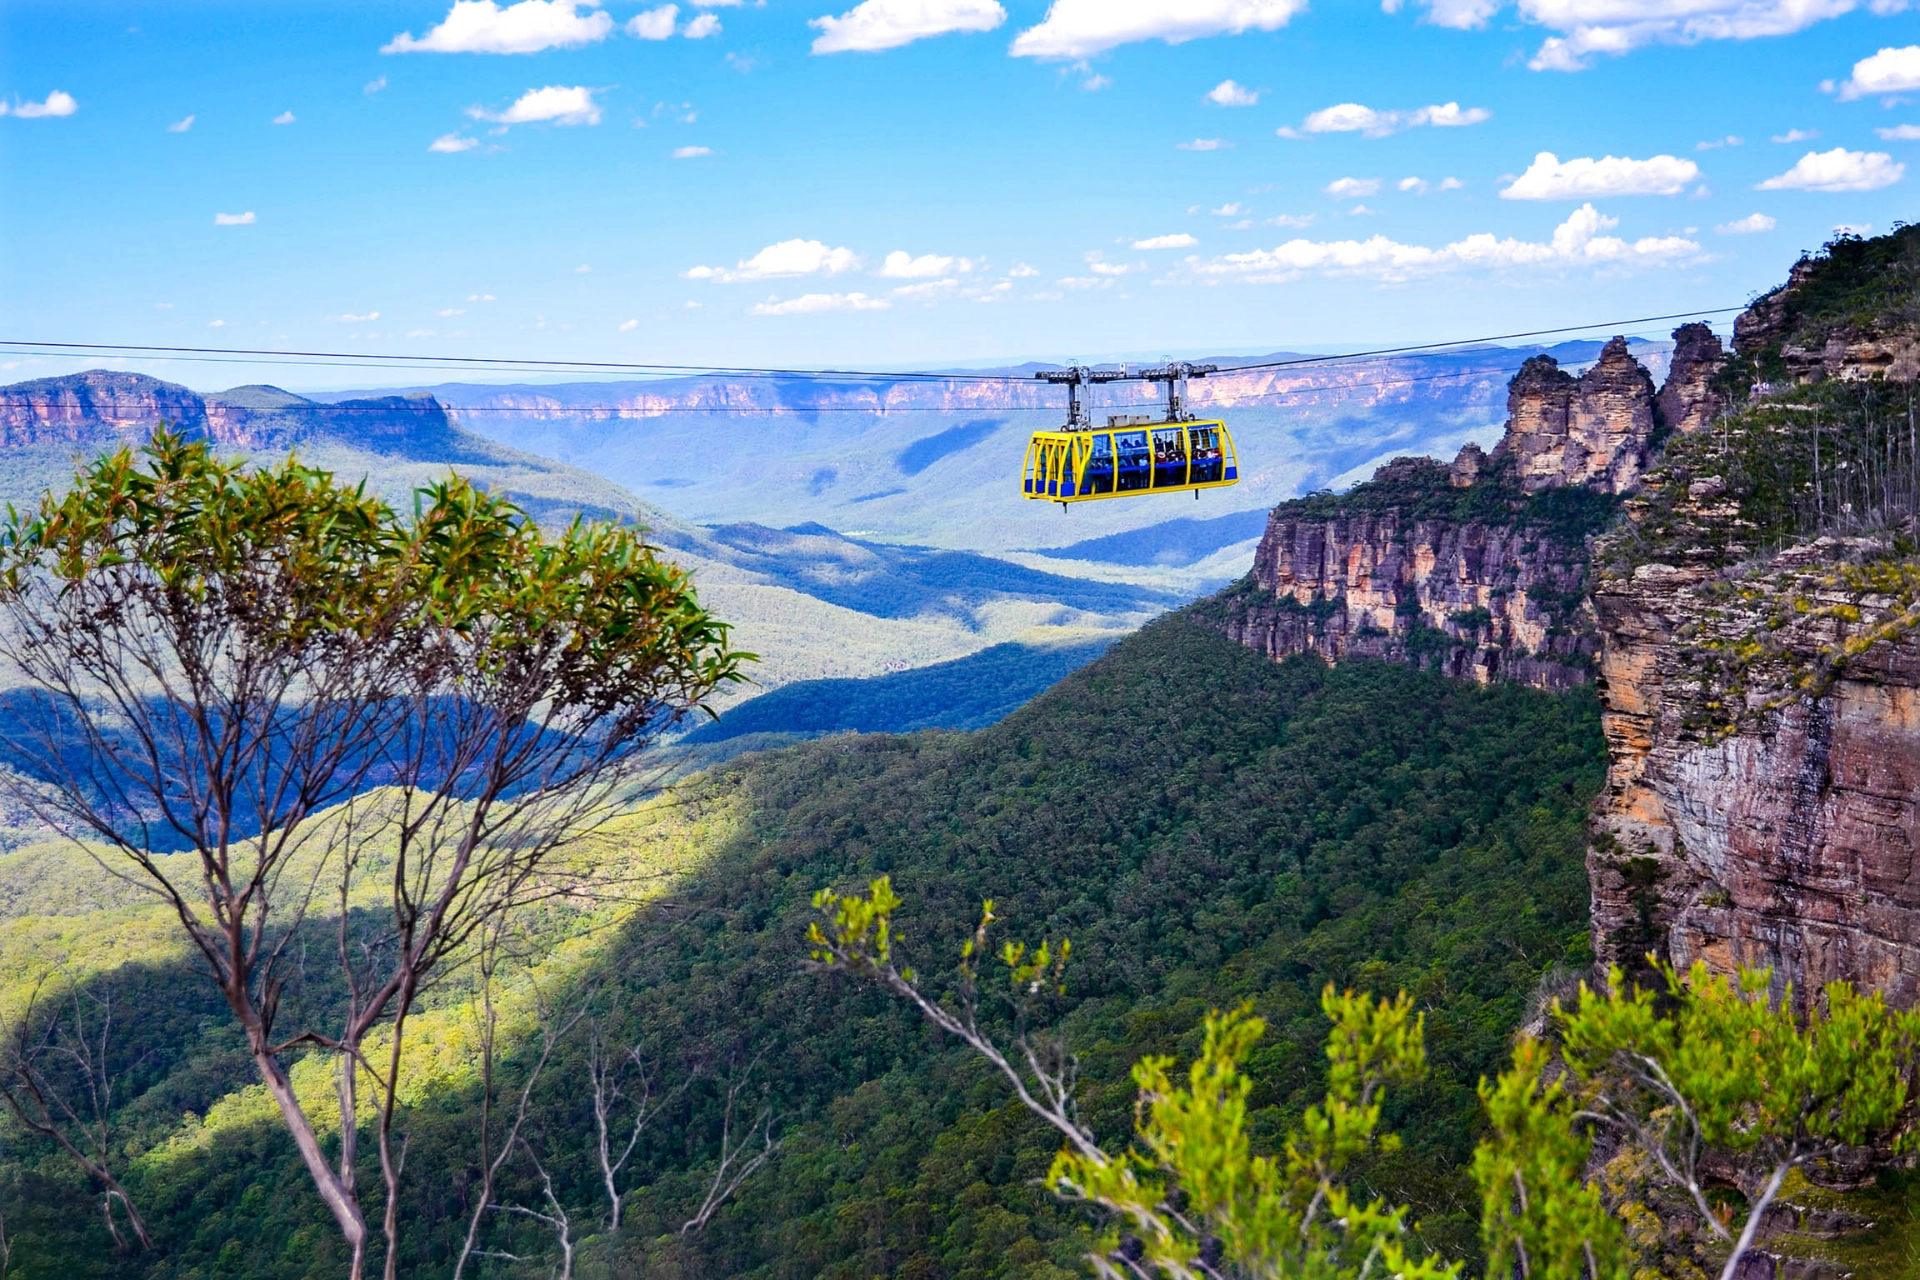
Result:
[
  {"x": 1351, "y": 117},
  {"x": 285, "y": 117},
  {"x": 216, "y": 324},
  {"x": 808, "y": 303},
  {"x": 888, "y": 24},
  {"x": 582, "y": 269},
  {"x": 374, "y": 86},
  {"x": 1752, "y": 224},
  {"x": 1615, "y": 27},
  {"x": 163, "y": 306},
  {"x": 1577, "y": 242},
  {"x": 1853, "y": 229},
  {"x": 654, "y": 24},
  {"x": 1231, "y": 209},
  {"x": 1205, "y": 144},
  {"x": 449, "y": 143},
  {"x": 1082, "y": 28},
  {"x": 628, "y": 326},
  {"x": 481, "y": 26},
  {"x": 901, "y": 265},
  {"x": 56, "y": 104},
  {"x": 1295, "y": 220},
  {"x": 1451, "y": 184},
  {"x": 450, "y": 311},
  {"x": 1461, "y": 15},
  {"x": 1888, "y": 71},
  {"x": 1022, "y": 271},
  {"x": 1095, "y": 83},
  {"x": 1547, "y": 178},
  {"x": 419, "y": 333},
  {"x": 707, "y": 24},
  {"x": 1229, "y": 94},
  {"x": 1838, "y": 170},
  {"x": 180, "y": 126},
  {"x": 691, "y": 153},
  {"x": 1731, "y": 140},
  {"x": 234, "y": 219},
  {"x": 555, "y": 104},
  {"x": 1412, "y": 184},
  {"x": 778, "y": 261},
  {"x": 481, "y": 297},
  {"x": 1797, "y": 135},
  {"x": 1901, "y": 133},
  {"x": 1347, "y": 188},
  {"x": 1178, "y": 240},
  {"x": 350, "y": 318}
]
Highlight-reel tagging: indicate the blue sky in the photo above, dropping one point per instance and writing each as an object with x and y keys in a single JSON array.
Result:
[{"x": 761, "y": 183}]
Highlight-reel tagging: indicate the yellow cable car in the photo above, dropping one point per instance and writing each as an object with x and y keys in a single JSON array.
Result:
[{"x": 1133, "y": 454}]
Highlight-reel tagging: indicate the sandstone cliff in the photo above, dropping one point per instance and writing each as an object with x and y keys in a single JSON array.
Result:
[
  {"x": 1478, "y": 569},
  {"x": 102, "y": 409},
  {"x": 1759, "y": 671}
]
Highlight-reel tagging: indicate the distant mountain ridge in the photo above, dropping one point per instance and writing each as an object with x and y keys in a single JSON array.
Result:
[{"x": 102, "y": 407}]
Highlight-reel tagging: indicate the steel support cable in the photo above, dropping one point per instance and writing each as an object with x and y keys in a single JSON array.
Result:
[{"x": 347, "y": 359}]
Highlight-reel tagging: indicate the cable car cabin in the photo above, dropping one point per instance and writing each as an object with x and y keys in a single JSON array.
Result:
[{"x": 1131, "y": 456}]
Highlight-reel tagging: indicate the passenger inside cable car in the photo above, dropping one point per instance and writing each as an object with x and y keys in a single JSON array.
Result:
[
  {"x": 1206, "y": 455},
  {"x": 1131, "y": 446},
  {"x": 1169, "y": 457},
  {"x": 1100, "y": 465}
]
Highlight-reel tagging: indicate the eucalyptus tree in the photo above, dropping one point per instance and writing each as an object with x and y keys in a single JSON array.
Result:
[{"x": 273, "y": 701}]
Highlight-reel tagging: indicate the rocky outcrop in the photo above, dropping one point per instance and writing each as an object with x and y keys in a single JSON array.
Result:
[
  {"x": 1787, "y": 841},
  {"x": 1593, "y": 430},
  {"x": 1479, "y": 568},
  {"x": 1688, "y": 400},
  {"x": 97, "y": 408},
  {"x": 1796, "y": 339},
  {"x": 1480, "y": 599},
  {"x": 102, "y": 409}
]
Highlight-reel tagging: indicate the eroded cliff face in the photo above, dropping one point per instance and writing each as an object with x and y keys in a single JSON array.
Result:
[
  {"x": 95, "y": 408},
  {"x": 1478, "y": 569},
  {"x": 1759, "y": 666},
  {"x": 102, "y": 409},
  {"x": 1481, "y": 599},
  {"x": 1592, "y": 431},
  {"x": 1786, "y": 843}
]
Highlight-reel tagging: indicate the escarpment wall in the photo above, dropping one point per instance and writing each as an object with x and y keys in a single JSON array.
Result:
[
  {"x": 1470, "y": 569},
  {"x": 1788, "y": 842}
]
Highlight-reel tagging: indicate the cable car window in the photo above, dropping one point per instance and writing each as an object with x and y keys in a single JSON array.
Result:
[
  {"x": 1100, "y": 465},
  {"x": 1133, "y": 456},
  {"x": 1207, "y": 463},
  {"x": 1169, "y": 457}
]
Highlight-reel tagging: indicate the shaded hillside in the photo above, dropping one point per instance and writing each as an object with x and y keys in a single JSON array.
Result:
[{"x": 1207, "y": 825}]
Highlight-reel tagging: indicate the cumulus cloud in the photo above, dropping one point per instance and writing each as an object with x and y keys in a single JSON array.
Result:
[
  {"x": 1752, "y": 224},
  {"x": 777, "y": 261},
  {"x": 350, "y": 318},
  {"x": 1229, "y": 94},
  {"x": 888, "y": 24},
  {"x": 808, "y": 303},
  {"x": 700, "y": 28},
  {"x": 1205, "y": 144},
  {"x": 555, "y": 104},
  {"x": 1577, "y": 242},
  {"x": 181, "y": 126},
  {"x": 1461, "y": 15},
  {"x": 691, "y": 153},
  {"x": 1589, "y": 27},
  {"x": 1351, "y": 117},
  {"x": 1901, "y": 133},
  {"x": 1352, "y": 188},
  {"x": 1548, "y": 178},
  {"x": 1888, "y": 71},
  {"x": 654, "y": 24},
  {"x": 234, "y": 219},
  {"x": 54, "y": 105},
  {"x": 481, "y": 26},
  {"x": 1022, "y": 271},
  {"x": 1231, "y": 209},
  {"x": 1082, "y": 28},
  {"x": 1838, "y": 170},
  {"x": 1177, "y": 240},
  {"x": 901, "y": 265},
  {"x": 285, "y": 117},
  {"x": 450, "y": 143}
]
